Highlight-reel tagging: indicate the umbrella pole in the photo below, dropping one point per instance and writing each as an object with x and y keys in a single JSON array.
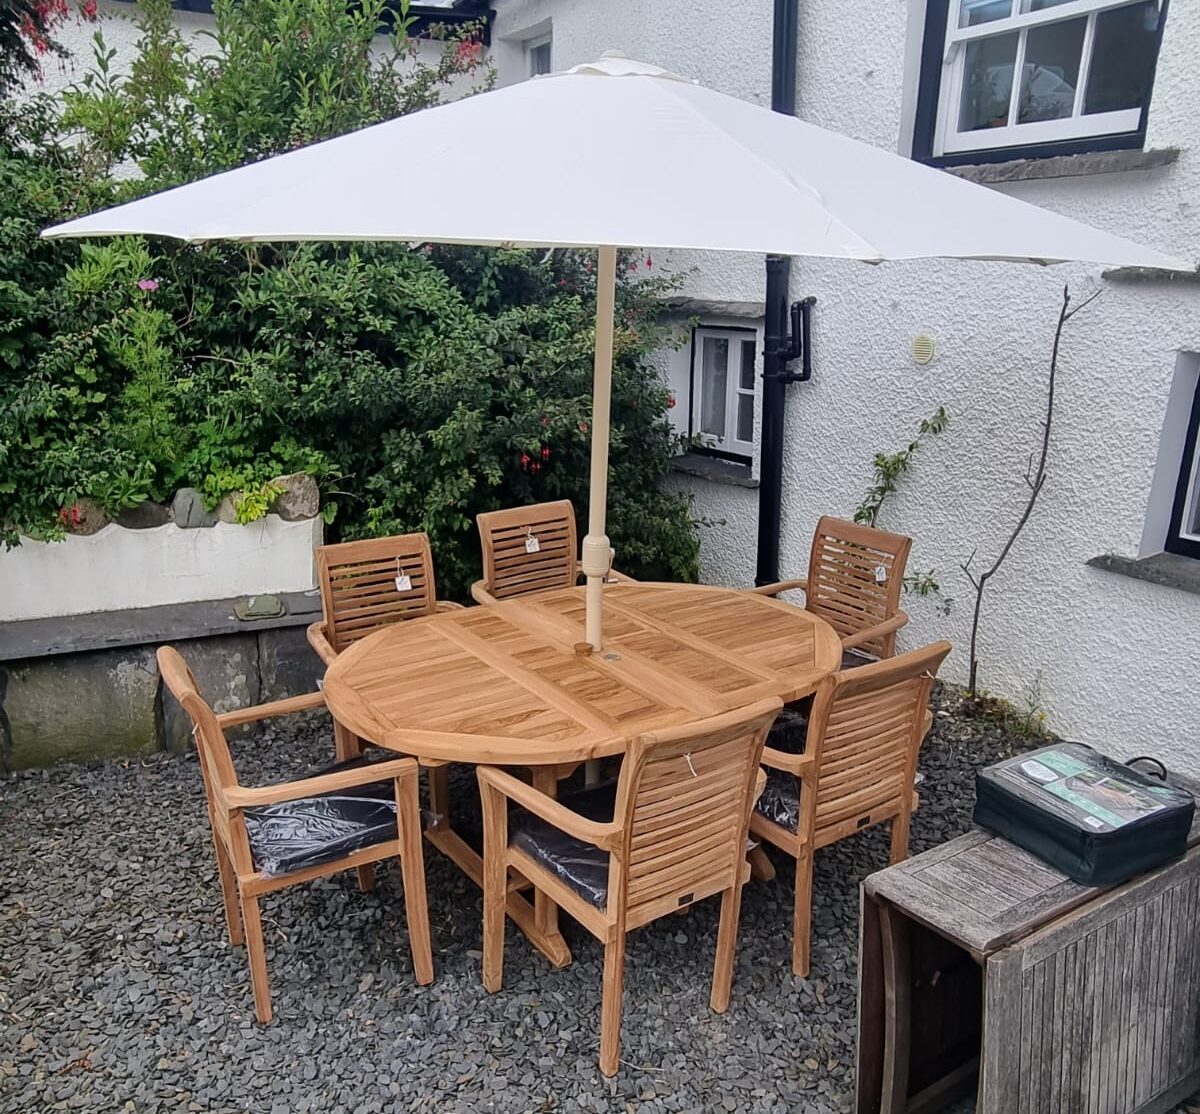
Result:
[{"x": 596, "y": 557}]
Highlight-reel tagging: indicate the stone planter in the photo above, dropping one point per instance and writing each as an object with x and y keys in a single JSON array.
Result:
[{"x": 118, "y": 569}]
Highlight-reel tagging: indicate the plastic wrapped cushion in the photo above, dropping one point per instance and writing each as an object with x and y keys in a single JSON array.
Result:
[
  {"x": 296, "y": 834},
  {"x": 789, "y": 732},
  {"x": 580, "y": 865},
  {"x": 780, "y": 799}
]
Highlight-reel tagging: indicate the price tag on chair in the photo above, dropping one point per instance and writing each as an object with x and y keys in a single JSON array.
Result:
[
  {"x": 532, "y": 545},
  {"x": 880, "y": 574},
  {"x": 403, "y": 580}
]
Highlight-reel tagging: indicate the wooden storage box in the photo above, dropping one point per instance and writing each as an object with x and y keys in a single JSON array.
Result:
[{"x": 983, "y": 969}]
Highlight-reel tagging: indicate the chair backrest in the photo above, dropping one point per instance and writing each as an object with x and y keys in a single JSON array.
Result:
[
  {"x": 684, "y": 799},
  {"x": 363, "y": 586},
  {"x": 865, "y": 730},
  {"x": 216, "y": 764},
  {"x": 855, "y": 574},
  {"x": 509, "y": 568}
]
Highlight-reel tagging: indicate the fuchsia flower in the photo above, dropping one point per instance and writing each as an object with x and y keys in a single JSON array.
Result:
[
  {"x": 649, "y": 262},
  {"x": 670, "y": 402},
  {"x": 148, "y": 284}
]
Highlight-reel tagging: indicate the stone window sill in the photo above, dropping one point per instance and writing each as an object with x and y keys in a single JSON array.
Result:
[
  {"x": 715, "y": 470},
  {"x": 1065, "y": 166},
  {"x": 1168, "y": 569}
]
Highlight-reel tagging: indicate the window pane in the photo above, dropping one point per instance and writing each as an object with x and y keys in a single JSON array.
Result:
[
  {"x": 974, "y": 12},
  {"x": 987, "y": 82},
  {"x": 714, "y": 376},
  {"x": 539, "y": 59},
  {"x": 1051, "y": 71},
  {"x": 747, "y": 376},
  {"x": 745, "y": 418},
  {"x": 1122, "y": 59},
  {"x": 1041, "y": 5}
]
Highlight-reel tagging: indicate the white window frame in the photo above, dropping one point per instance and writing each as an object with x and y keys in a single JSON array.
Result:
[
  {"x": 948, "y": 140},
  {"x": 734, "y": 390},
  {"x": 535, "y": 44}
]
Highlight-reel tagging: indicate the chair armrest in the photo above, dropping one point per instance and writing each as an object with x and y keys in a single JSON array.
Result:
[
  {"x": 780, "y": 586},
  {"x": 238, "y": 796},
  {"x": 255, "y": 712},
  {"x": 615, "y": 577},
  {"x": 319, "y": 641},
  {"x": 879, "y": 630},
  {"x": 802, "y": 765},
  {"x": 448, "y": 605},
  {"x": 607, "y": 836},
  {"x": 480, "y": 594}
]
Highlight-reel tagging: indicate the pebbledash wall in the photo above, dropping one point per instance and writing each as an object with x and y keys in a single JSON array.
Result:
[{"x": 1113, "y": 660}]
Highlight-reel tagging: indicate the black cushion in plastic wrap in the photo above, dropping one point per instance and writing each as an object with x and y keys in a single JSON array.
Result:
[
  {"x": 780, "y": 799},
  {"x": 312, "y": 830},
  {"x": 790, "y": 730},
  {"x": 852, "y": 659},
  {"x": 580, "y": 865}
]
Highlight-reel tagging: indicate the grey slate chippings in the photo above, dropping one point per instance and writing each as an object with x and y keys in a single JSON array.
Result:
[{"x": 118, "y": 991}]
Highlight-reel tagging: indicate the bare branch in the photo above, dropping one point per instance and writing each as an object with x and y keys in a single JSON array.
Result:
[{"x": 1035, "y": 479}]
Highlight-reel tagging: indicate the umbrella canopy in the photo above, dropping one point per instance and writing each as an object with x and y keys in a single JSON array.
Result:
[{"x": 628, "y": 155}]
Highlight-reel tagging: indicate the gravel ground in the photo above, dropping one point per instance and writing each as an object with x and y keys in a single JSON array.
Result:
[{"x": 118, "y": 991}]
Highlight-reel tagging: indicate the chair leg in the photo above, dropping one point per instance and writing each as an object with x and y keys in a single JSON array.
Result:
[
  {"x": 346, "y": 744},
  {"x": 439, "y": 795},
  {"x": 412, "y": 870},
  {"x": 731, "y": 906},
  {"x": 257, "y": 953},
  {"x": 495, "y": 885},
  {"x": 610, "y": 1009},
  {"x": 802, "y": 919},
  {"x": 900, "y": 824},
  {"x": 233, "y": 916}
]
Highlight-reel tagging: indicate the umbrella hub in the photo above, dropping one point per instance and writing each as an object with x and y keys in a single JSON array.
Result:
[{"x": 614, "y": 64}]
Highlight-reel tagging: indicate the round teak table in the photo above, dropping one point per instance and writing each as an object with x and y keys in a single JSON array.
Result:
[{"x": 505, "y": 685}]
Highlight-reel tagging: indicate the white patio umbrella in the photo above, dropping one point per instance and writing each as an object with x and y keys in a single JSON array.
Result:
[{"x": 626, "y": 155}]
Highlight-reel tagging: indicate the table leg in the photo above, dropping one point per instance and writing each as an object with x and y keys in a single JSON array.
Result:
[
  {"x": 539, "y": 924},
  {"x": 897, "y": 1024},
  {"x": 761, "y": 867}
]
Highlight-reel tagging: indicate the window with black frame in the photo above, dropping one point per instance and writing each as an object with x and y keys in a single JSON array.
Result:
[
  {"x": 1027, "y": 78},
  {"x": 1183, "y": 535}
]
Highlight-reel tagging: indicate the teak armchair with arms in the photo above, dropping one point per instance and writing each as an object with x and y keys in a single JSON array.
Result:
[
  {"x": 672, "y": 831},
  {"x": 855, "y": 574},
  {"x": 365, "y": 586},
  {"x": 357, "y": 812},
  {"x": 528, "y": 549},
  {"x": 856, "y": 768}
]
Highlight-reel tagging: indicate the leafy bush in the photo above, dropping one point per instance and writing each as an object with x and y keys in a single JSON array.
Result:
[{"x": 419, "y": 386}]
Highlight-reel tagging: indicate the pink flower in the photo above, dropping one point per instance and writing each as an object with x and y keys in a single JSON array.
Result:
[
  {"x": 148, "y": 284},
  {"x": 670, "y": 402},
  {"x": 467, "y": 53},
  {"x": 649, "y": 262},
  {"x": 88, "y": 8}
]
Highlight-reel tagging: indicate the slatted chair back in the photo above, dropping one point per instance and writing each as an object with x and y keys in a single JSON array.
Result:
[
  {"x": 510, "y": 568},
  {"x": 685, "y": 796},
  {"x": 216, "y": 763},
  {"x": 855, "y": 574},
  {"x": 866, "y": 729},
  {"x": 366, "y": 585}
]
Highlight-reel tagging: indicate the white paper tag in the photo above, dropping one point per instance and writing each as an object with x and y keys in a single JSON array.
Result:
[
  {"x": 532, "y": 545},
  {"x": 880, "y": 574},
  {"x": 403, "y": 583}
]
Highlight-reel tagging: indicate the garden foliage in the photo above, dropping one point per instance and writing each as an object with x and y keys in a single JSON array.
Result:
[{"x": 419, "y": 385}]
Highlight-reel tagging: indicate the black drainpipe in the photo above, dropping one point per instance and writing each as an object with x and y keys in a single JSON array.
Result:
[{"x": 778, "y": 347}]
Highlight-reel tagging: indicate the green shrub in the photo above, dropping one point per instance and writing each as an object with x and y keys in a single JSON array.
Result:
[{"x": 419, "y": 386}]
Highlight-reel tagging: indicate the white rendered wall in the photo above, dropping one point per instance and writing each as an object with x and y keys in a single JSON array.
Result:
[
  {"x": 117, "y": 568},
  {"x": 1115, "y": 660}
]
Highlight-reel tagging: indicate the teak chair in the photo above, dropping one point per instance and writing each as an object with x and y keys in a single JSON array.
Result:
[
  {"x": 360, "y": 593},
  {"x": 857, "y": 768},
  {"x": 511, "y": 569},
  {"x": 855, "y": 574},
  {"x": 381, "y": 819},
  {"x": 672, "y": 831},
  {"x": 363, "y": 590}
]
